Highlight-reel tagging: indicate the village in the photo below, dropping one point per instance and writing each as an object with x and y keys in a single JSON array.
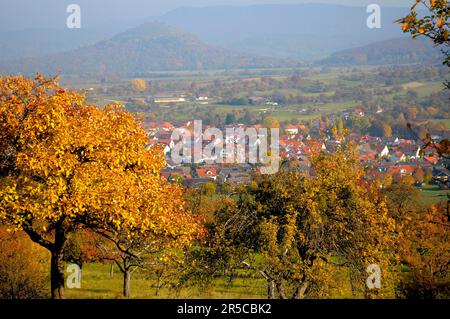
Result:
[{"x": 391, "y": 159}]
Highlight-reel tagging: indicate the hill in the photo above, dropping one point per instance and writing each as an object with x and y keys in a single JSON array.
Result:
[
  {"x": 303, "y": 31},
  {"x": 393, "y": 51},
  {"x": 32, "y": 43},
  {"x": 151, "y": 46}
]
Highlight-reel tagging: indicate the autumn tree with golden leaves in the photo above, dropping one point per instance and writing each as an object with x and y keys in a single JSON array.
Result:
[
  {"x": 65, "y": 165},
  {"x": 313, "y": 227}
]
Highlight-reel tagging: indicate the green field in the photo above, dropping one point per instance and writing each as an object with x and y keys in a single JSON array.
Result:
[
  {"x": 287, "y": 113},
  {"x": 317, "y": 85},
  {"x": 428, "y": 88},
  {"x": 446, "y": 122},
  {"x": 97, "y": 283},
  {"x": 432, "y": 194},
  {"x": 327, "y": 108}
]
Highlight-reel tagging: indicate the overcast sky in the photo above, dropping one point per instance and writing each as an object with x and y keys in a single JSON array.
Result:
[{"x": 24, "y": 14}]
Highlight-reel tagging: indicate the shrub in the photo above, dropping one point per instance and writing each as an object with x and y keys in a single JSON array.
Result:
[{"x": 22, "y": 269}]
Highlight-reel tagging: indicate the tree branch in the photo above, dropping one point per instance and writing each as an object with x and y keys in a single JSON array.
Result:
[{"x": 36, "y": 237}]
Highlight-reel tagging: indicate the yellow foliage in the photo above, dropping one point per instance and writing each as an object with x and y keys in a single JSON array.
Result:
[{"x": 66, "y": 164}]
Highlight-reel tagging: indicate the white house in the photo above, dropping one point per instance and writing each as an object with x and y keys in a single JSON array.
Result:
[
  {"x": 291, "y": 130},
  {"x": 385, "y": 151}
]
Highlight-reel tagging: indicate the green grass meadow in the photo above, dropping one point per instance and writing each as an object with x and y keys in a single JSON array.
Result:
[{"x": 97, "y": 283}]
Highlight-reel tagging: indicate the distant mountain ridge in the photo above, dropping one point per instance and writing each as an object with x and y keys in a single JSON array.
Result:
[
  {"x": 303, "y": 31},
  {"x": 151, "y": 46},
  {"x": 220, "y": 38},
  {"x": 308, "y": 32},
  {"x": 393, "y": 51},
  {"x": 32, "y": 43}
]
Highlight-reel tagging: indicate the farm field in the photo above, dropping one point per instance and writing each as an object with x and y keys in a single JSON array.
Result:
[{"x": 301, "y": 94}]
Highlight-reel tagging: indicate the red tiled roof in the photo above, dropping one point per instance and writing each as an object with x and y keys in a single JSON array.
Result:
[
  {"x": 202, "y": 172},
  {"x": 166, "y": 125},
  {"x": 151, "y": 125},
  {"x": 368, "y": 157},
  {"x": 208, "y": 171},
  {"x": 166, "y": 175},
  {"x": 431, "y": 159},
  {"x": 401, "y": 169}
]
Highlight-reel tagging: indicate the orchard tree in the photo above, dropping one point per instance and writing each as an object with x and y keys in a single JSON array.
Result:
[
  {"x": 227, "y": 244},
  {"x": 402, "y": 199},
  {"x": 307, "y": 222},
  {"x": 79, "y": 248},
  {"x": 132, "y": 249},
  {"x": 65, "y": 164}
]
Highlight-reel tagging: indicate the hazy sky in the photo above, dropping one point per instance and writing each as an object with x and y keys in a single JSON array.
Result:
[{"x": 23, "y": 14}]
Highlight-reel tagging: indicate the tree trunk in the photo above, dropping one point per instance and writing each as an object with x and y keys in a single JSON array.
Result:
[
  {"x": 301, "y": 291},
  {"x": 271, "y": 289},
  {"x": 127, "y": 283},
  {"x": 158, "y": 285},
  {"x": 56, "y": 251},
  {"x": 111, "y": 271},
  {"x": 280, "y": 289},
  {"x": 57, "y": 275},
  {"x": 57, "y": 263},
  {"x": 448, "y": 208}
]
